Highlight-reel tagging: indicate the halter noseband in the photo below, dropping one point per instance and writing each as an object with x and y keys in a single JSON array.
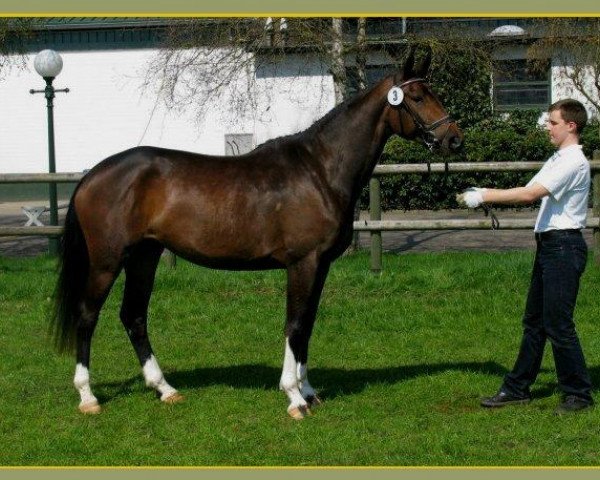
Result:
[{"x": 426, "y": 130}]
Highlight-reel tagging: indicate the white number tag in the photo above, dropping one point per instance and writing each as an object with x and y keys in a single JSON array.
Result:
[{"x": 395, "y": 96}]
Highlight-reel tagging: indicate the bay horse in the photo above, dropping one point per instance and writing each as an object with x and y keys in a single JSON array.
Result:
[{"x": 288, "y": 204}]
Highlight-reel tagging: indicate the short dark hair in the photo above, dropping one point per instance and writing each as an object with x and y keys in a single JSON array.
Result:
[{"x": 571, "y": 110}]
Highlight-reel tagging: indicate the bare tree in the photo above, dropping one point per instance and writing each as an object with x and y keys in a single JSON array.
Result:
[
  {"x": 202, "y": 58},
  {"x": 206, "y": 59},
  {"x": 573, "y": 44},
  {"x": 361, "y": 52},
  {"x": 338, "y": 66},
  {"x": 14, "y": 33},
  {"x": 238, "y": 61}
]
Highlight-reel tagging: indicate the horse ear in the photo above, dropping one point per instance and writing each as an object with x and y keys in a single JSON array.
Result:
[
  {"x": 409, "y": 64},
  {"x": 394, "y": 50},
  {"x": 423, "y": 67}
]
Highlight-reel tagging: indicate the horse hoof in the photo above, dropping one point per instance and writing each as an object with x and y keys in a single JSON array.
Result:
[
  {"x": 174, "y": 398},
  {"x": 298, "y": 413},
  {"x": 90, "y": 408},
  {"x": 314, "y": 401}
]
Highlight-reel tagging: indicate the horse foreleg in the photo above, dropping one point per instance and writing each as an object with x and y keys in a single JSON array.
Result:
[
  {"x": 298, "y": 407},
  {"x": 306, "y": 390},
  {"x": 305, "y": 284},
  {"x": 140, "y": 270},
  {"x": 294, "y": 382}
]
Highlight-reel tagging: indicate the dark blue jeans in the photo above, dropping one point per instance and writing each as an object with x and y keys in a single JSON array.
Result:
[{"x": 559, "y": 262}]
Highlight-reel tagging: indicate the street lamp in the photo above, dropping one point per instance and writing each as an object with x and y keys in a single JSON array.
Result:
[{"x": 48, "y": 64}]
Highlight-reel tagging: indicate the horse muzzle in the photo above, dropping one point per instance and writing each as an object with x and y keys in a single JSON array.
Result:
[
  {"x": 455, "y": 141},
  {"x": 452, "y": 139},
  {"x": 443, "y": 135}
]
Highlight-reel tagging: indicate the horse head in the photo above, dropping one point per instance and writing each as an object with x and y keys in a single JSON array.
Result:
[{"x": 414, "y": 110}]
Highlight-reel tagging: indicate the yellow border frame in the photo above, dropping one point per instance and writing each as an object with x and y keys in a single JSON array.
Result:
[{"x": 311, "y": 8}]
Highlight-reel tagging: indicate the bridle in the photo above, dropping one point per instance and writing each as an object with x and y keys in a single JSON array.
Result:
[{"x": 425, "y": 129}]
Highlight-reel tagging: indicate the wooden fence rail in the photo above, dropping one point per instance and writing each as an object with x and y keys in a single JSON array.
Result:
[
  {"x": 375, "y": 225},
  {"x": 40, "y": 177}
]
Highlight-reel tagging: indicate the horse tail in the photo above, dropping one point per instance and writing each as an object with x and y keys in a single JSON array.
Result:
[{"x": 72, "y": 279}]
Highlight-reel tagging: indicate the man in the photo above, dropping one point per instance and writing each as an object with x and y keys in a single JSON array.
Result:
[{"x": 563, "y": 184}]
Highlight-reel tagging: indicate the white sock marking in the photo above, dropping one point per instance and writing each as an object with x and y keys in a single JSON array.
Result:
[
  {"x": 82, "y": 384},
  {"x": 306, "y": 389},
  {"x": 289, "y": 380},
  {"x": 155, "y": 378}
]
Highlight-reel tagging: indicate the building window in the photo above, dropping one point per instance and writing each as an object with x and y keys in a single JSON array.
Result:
[
  {"x": 519, "y": 84},
  {"x": 238, "y": 143}
]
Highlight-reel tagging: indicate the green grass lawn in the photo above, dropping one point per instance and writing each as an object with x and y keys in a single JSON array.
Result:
[{"x": 399, "y": 359}]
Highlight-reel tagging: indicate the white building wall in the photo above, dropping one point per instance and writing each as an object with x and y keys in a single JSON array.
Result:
[
  {"x": 106, "y": 111},
  {"x": 562, "y": 87},
  {"x": 301, "y": 91}
]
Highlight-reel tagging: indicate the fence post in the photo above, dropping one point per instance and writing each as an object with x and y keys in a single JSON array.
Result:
[
  {"x": 375, "y": 212},
  {"x": 596, "y": 208}
]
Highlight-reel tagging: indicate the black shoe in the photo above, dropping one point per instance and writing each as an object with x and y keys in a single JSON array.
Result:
[
  {"x": 502, "y": 399},
  {"x": 573, "y": 404}
]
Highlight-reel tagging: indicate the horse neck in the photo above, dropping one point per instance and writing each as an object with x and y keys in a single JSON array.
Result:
[{"x": 353, "y": 140}]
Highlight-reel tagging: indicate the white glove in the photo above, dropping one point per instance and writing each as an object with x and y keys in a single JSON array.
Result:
[{"x": 471, "y": 197}]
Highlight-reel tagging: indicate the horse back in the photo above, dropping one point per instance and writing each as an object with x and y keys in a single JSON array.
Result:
[{"x": 267, "y": 207}]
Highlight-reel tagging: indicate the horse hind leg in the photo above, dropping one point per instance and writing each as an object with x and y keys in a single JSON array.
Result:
[
  {"x": 98, "y": 286},
  {"x": 140, "y": 270}
]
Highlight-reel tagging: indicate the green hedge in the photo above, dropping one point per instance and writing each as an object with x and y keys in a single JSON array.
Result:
[
  {"x": 515, "y": 138},
  {"x": 461, "y": 75}
]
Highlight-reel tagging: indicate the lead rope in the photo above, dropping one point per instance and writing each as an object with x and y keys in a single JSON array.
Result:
[{"x": 490, "y": 213}]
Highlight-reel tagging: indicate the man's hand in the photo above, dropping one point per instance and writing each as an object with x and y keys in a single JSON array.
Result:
[{"x": 471, "y": 197}]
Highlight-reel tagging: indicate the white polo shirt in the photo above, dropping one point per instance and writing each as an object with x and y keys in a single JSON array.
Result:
[{"x": 566, "y": 175}]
